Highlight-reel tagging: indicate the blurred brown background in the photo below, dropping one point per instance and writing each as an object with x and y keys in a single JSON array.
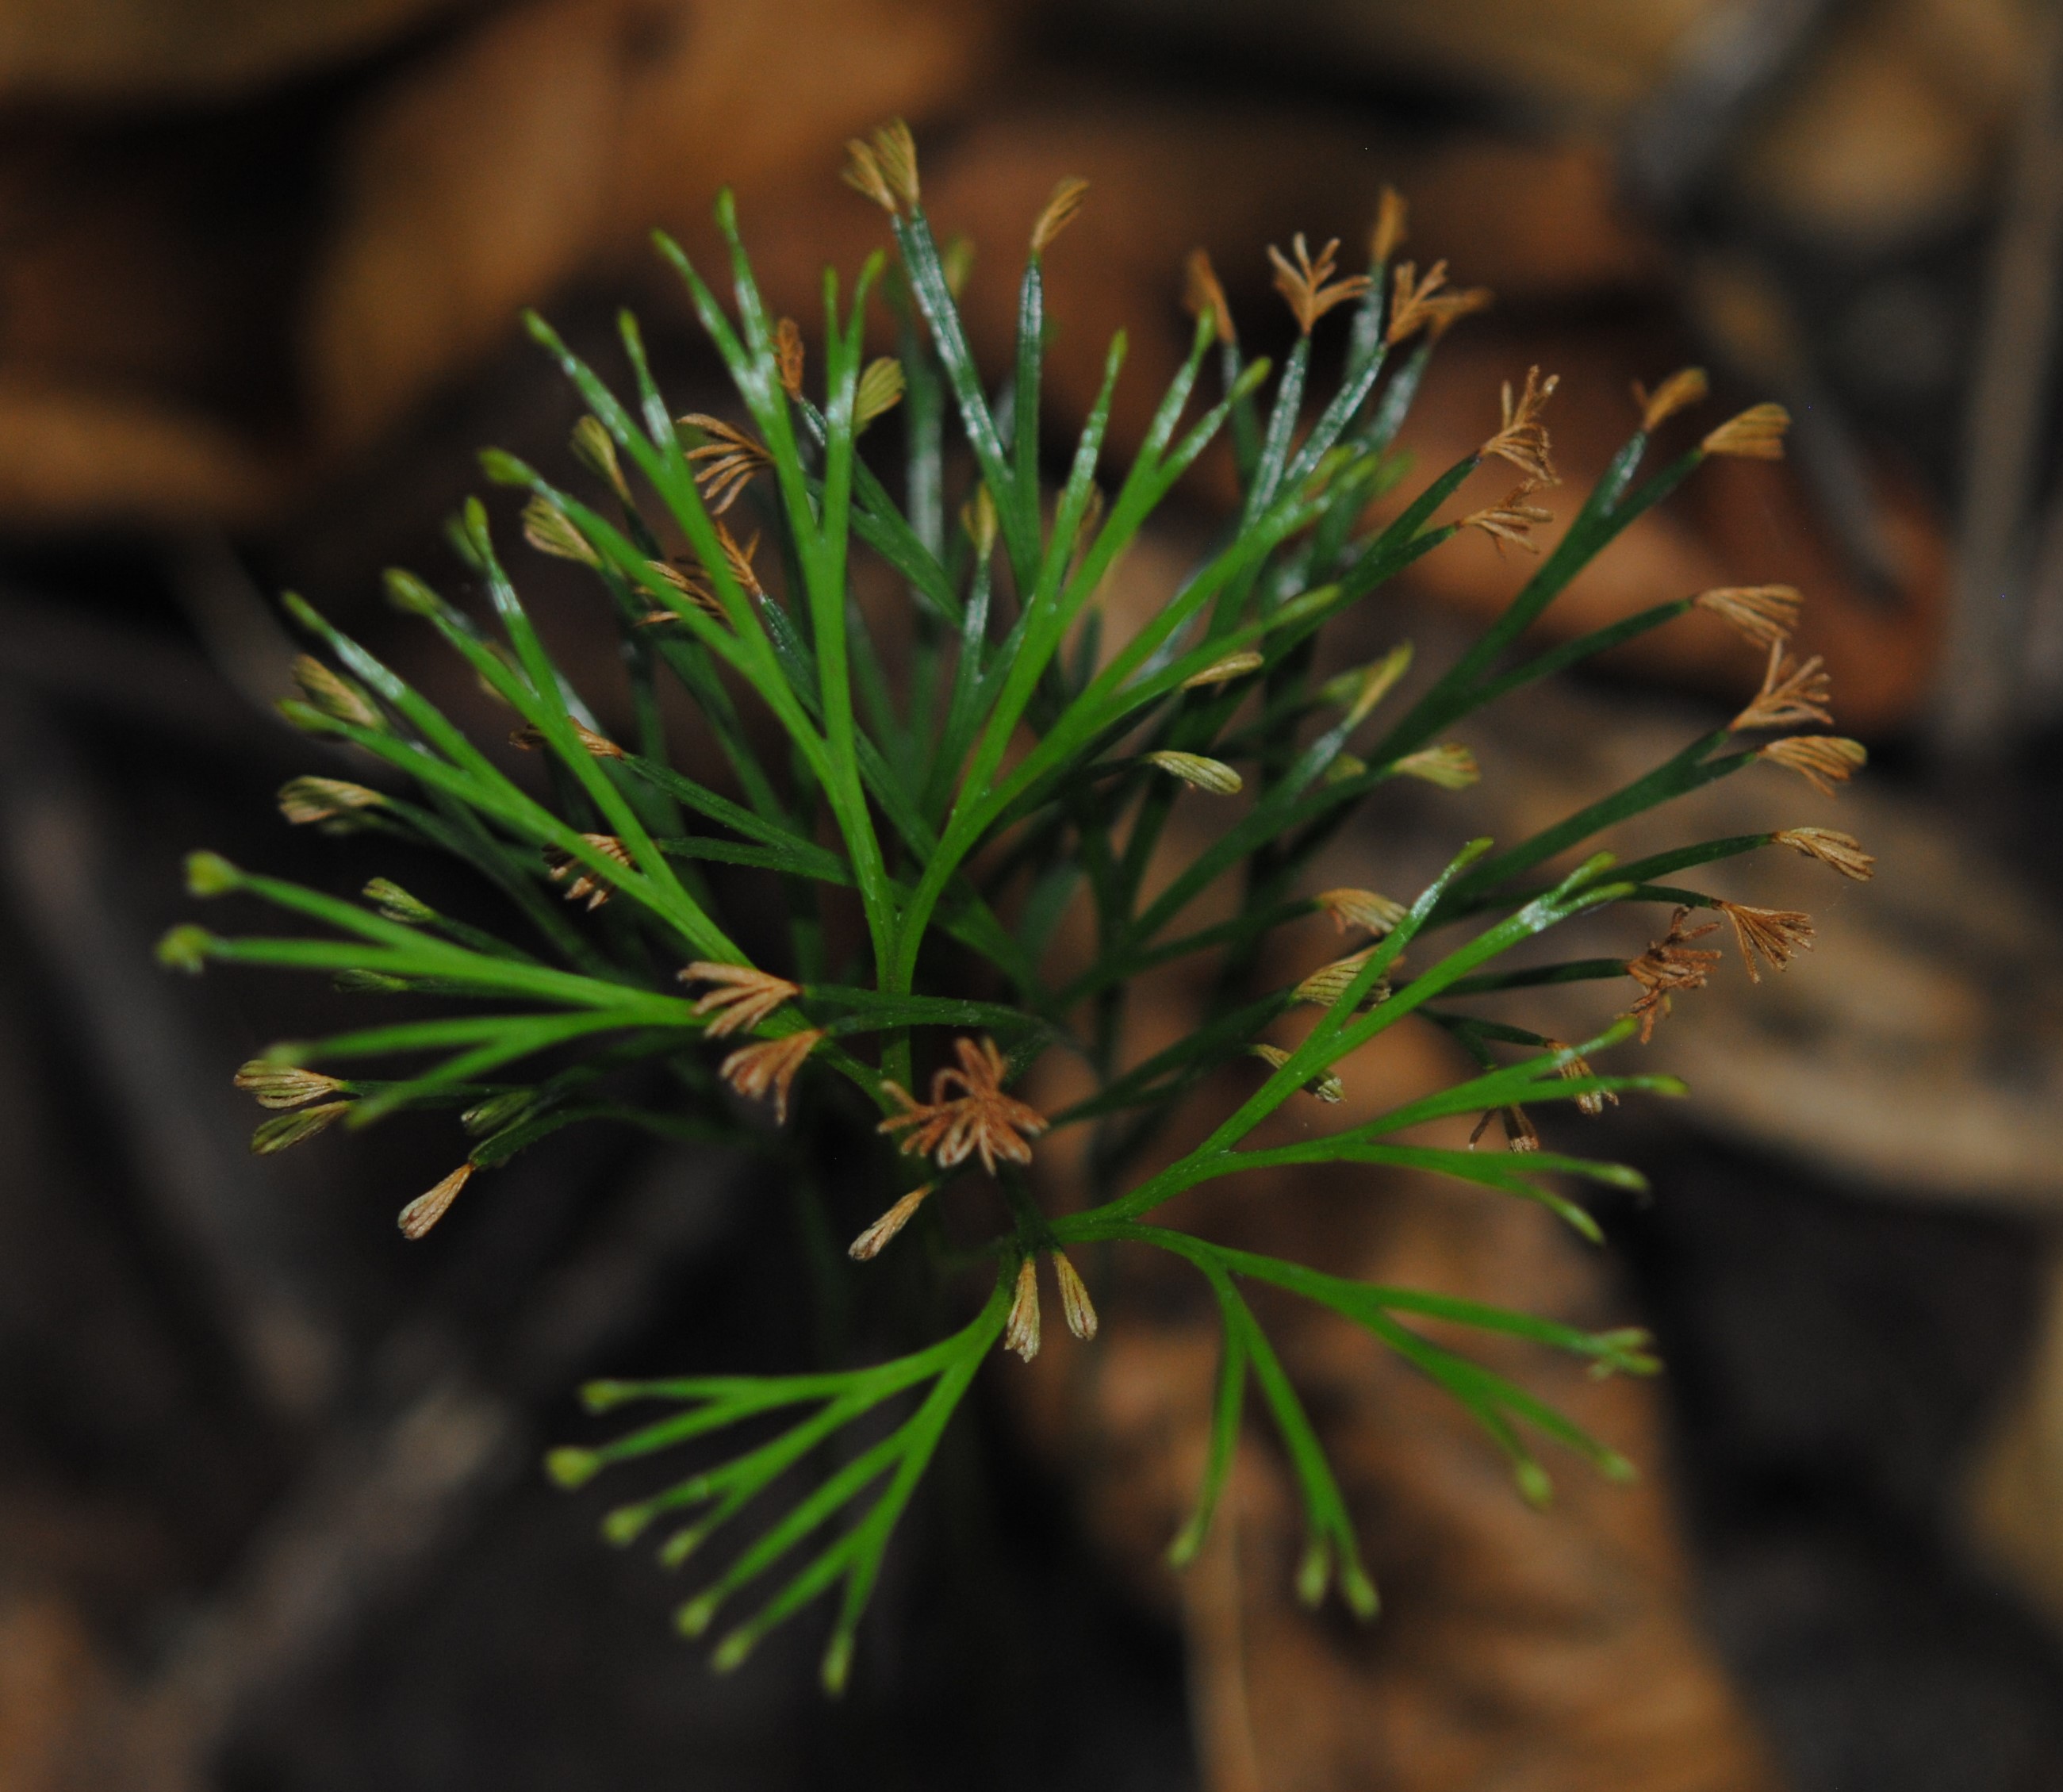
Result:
[{"x": 269, "y": 1516}]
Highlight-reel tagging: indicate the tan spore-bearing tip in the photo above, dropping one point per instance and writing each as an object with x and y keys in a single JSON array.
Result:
[
  {"x": 1327, "y": 983},
  {"x": 1362, "y": 688},
  {"x": 1684, "y": 388},
  {"x": 584, "y": 882},
  {"x": 724, "y": 466},
  {"x": 862, "y": 174},
  {"x": 690, "y": 585},
  {"x": 1075, "y": 1301},
  {"x": 981, "y": 1120},
  {"x": 396, "y": 903},
  {"x": 978, "y": 517},
  {"x": 336, "y": 698},
  {"x": 884, "y": 167},
  {"x": 1417, "y": 304},
  {"x": 1573, "y": 1069},
  {"x": 956, "y": 262},
  {"x": 1202, "y": 295},
  {"x": 738, "y": 559},
  {"x": 1325, "y": 1085},
  {"x": 1511, "y": 519},
  {"x": 1450, "y": 765},
  {"x": 1345, "y": 765},
  {"x": 1224, "y": 670},
  {"x": 284, "y": 1131},
  {"x": 1392, "y": 218},
  {"x": 590, "y": 446},
  {"x": 1213, "y": 775},
  {"x": 1021, "y": 1334},
  {"x": 1520, "y": 1133},
  {"x": 303, "y": 800},
  {"x": 768, "y": 1066},
  {"x": 1522, "y": 441},
  {"x": 1776, "y": 936},
  {"x": 1308, "y": 286},
  {"x": 1843, "y": 851},
  {"x": 871, "y": 1242},
  {"x": 1059, "y": 212},
  {"x": 1362, "y": 908},
  {"x": 285, "y": 1085},
  {"x": 1790, "y": 694},
  {"x": 1756, "y": 434},
  {"x": 1087, "y": 530},
  {"x": 427, "y": 1209},
  {"x": 1823, "y": 761},
  {"x": 531, "y": 738},
  {"x": 789, "y": 356},
  {"x": 550, "y": 531},
  {"x": 743, "y": 996},
  {"x": 1671, "y": 966},
  {"x": 1763, "y": 614},
  {"x": 880, "y": 391}
]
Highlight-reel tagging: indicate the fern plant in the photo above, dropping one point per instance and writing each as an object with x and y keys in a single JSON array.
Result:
[{"x": 1016, "y": 765}]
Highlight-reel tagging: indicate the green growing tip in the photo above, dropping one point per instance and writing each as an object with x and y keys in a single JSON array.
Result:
[
  {"x": 694, "y": 1618},
  {"x": 1314, "y": 1572},
  {"x": 1534, "y": 1486},
  {"x": 503, "y": 467},
  {"x": 368, "y": 983},
  {"x": 838, "y": 1663},
  {"x": 397, "y": 905},
  {"x": 573, "y": 1467},
  {"x": 625, "y": 1524},
  {"x": 209, "y": 874},
  {"x": 409, "y": 595},
  {"x": 684, "y": 1543},
  {"x": 1359, "y": 1590},
  {"x": 462, "y": 545},
  {"x": 186, "y": 949},
  {"x": 491, "y": 1115}
]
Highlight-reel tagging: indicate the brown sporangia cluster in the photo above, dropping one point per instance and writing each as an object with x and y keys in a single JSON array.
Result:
[
  {"x": 1020, "y": 1334},
  {"x": 1203, "y": 294},
  {"x": 1510, "y": 519},
  {"x": 1308, "y": 285},
  {"x": 724, "y": 464},
  {"x": 767, "y": 1067},
  {"x": 1823, "y": 761},
  {"x": 579, "y": 879},
  {"x": 1417, "y": 304},
  {"x": 1670, "y": 967},
  {"x": 1775, "y": 936},
  {"x": 1522, "y": 440},
  {"x": 980, "y": 1121},
  {"x": 530, "y": 738},
  {"x": 742, "y": 996},
  {"x": 1687, "y": 386},
  {"x": 1764, "y": 615},
  {"x": 1790, "y": 694}
]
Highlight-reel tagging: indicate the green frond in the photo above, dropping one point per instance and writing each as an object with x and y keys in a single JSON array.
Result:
[{"x": 954, "y": 786}]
